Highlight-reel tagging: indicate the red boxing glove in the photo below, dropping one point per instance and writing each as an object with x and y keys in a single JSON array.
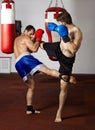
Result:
[{"x": 38, "y": 34}]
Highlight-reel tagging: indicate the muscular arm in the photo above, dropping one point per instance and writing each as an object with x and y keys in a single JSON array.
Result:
[
  {"x": 32, "y": 46},
  {"x": 75, "y": 42}
]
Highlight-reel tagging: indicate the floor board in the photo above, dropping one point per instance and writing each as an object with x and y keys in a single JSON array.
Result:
[{"x": 78, "y": 112}]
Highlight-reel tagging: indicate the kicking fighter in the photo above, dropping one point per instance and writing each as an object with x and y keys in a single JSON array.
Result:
[
  {"x": 27, "y": 65},
  {"x": 64, "y": 51}
]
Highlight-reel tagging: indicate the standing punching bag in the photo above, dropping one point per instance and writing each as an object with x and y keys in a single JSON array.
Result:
[
  {"x": 7, "y": 26},
  {"x": 50, "y": 16}
]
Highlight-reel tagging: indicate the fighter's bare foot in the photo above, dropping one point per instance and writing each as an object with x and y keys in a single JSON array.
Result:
[
  {"x": 57, "y": 120},
  {"x": 58, "y": 117},
  {"x": 30, "y": 112},
  {"x": 73, "y": 80}
]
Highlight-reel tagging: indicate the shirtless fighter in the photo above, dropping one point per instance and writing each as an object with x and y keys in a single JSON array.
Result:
[
  {"x": 64, "y": 51},
  {"x": 27, "y": 65}
]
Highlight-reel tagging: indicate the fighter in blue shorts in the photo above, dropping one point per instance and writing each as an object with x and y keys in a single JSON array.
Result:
[{"x": 26, "y": 65}]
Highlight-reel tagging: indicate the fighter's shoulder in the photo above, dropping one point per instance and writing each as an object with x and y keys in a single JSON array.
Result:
[
  {"x": 76, "y": 29},
  {"x": 19, "y": 38},
  {"x": 24, "y": 38},
  {"x": 78, "y": 35}
]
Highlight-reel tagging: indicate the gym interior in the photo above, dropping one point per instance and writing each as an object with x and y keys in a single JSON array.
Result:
[{"x": 79, "y": 109}]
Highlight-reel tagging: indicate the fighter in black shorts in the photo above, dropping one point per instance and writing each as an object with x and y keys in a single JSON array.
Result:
[
  {"x": 66, "y": 63},
  {"x": 64, "y": 51}
]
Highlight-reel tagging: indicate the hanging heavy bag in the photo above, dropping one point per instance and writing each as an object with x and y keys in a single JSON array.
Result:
[{"x": 7, "y": 26}]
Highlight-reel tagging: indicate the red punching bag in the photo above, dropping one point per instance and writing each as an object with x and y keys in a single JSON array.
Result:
[
  {"x": 7, "y": 26},
  {"x": 50, "y": 16}
]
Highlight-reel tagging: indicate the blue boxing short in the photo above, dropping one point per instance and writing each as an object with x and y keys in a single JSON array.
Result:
[{"x": 26, "y": 65}]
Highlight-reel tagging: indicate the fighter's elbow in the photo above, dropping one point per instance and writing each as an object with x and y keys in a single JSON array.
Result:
[
  {"x": 74, "y": 50},
  {"x": 35, "y": 49}
]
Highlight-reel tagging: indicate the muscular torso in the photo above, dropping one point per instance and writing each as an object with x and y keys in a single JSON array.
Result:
[
  {"x": 69, "y": 49},
  {"x": 23, "y": 44}
]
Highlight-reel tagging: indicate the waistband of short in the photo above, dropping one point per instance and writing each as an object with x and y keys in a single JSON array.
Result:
[{"x": 22, "y": 55}]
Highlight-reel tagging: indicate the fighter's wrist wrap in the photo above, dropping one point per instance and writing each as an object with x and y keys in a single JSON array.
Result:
[
  {"x": 30, "y": 108},
  {"x": 66, "y": 39}
]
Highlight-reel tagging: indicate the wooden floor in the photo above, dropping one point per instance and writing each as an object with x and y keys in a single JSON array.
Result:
[{"x": 78, "y": 112}]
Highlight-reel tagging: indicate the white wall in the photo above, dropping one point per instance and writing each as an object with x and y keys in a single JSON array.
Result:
[{"x": 83, "y": 15}]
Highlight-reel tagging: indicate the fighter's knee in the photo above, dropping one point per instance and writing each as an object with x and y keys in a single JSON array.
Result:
[{"x": 65, "y": 78}]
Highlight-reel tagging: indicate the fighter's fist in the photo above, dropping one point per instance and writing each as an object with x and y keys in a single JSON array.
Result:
[
  {"x": 38, "y": 34},
  {"x": 52, "y": 26},
  {"x": 61, "y": 29}
]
